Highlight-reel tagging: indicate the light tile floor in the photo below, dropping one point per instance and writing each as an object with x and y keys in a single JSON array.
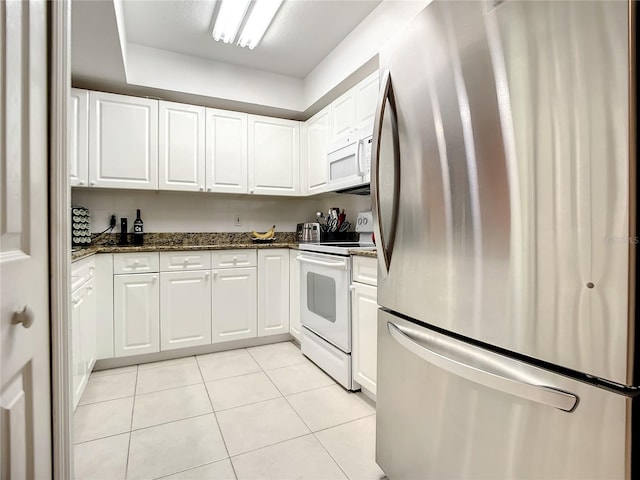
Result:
[{"x": 257, "y": 413}]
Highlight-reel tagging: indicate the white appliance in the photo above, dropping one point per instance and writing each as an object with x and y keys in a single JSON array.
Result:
[
  {"x": 349, "y": 160},
  {"x": 504, "y": 189},
  {"x": 325, "y": 301}
]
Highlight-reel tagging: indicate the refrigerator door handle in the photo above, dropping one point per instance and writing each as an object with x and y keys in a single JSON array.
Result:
[
  {"x": 385, "y": 239},
  {"x": 425, "y": 347}
]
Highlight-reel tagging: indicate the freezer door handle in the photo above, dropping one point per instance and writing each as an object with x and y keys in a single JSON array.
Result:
[
  {"x": 482, "y": 367},
  {"x": 385, "y": 223}
]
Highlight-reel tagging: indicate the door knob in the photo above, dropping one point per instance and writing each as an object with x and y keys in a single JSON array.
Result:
[{"x": 24, "y": 316}]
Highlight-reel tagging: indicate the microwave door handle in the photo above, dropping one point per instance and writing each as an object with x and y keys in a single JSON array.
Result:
[
  {"x": 446, "y": 354},
  {"x": 384, "y": 239},
  {"x": 359, "y": 157}
]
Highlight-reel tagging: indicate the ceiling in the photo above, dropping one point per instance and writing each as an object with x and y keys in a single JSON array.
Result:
[
  {"x": 302, "y": 34},
  {"x": 313, "y": 51}
]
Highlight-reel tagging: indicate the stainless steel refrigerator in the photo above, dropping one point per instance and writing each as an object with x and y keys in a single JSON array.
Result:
[{"x": 504, "y": 192}]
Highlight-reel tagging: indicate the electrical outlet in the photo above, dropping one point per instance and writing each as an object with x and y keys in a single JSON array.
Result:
[{"x": 237, "y": 220}]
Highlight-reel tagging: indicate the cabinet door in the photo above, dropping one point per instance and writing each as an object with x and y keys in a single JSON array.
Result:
[
  {"x": 136, "y": 314},
  {"x": 367, "y": 92},
  {"x": 88, "y": 329},
  {"x": 364, "y": 316},
  {"x": 78, "y": 131},
  {"x": 294, "y": 295},
  {"x": 343, "y": 114},
  {"x": 234, "y": 304},
  {"x": 77, "y": 360},
  {"x": 273, "y": 291},
  {"x": 274, "y": 156},
  {"x": 181, "y": 142},
  {"x": 123, "y": 141},
  {"x": 226, "y": 151},
  {"x": 317, "y": 133},
  {"x": 185, "y": 309}
]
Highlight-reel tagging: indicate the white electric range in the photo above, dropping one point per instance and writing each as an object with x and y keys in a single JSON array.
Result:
[{"x": 325, "y": 302}]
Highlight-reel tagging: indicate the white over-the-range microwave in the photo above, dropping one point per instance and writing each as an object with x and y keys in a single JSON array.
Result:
[{"x": 349, "y": 162}]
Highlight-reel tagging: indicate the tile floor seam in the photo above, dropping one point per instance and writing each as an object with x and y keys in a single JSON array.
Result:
[
  {"x": 331, "y": 456},
  {"x": 100, "y": 438},
  {"x": 224, "y": 442},
  {"x": 166, "y": 389},
  {"x": 249, "y": 404},
  {"x": 133, "y": 409},
  {"x": 169, "y": 388},
  {"x": 171, "y": 421},
  {"x": 231, "y": 457},
  {"x": 344, "y": 423},
  {"x": 233, "y": 376},
  {"x": 102, "y": 401}
]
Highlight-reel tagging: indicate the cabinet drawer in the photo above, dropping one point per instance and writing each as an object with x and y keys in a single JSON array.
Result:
[
  {"x": 233, "y": 258},
  {"x": 365, "y": 270},
  {"x": 177, "y": 261},
  {"x": 82, "y": 271},
  {"x": 135, "y": 262}
]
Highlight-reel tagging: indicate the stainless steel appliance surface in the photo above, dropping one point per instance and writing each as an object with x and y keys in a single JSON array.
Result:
[
  {"x": 504, "y": 199},
  {"x": 308, "y": 232},
  {"x": 325, "y": 301}
]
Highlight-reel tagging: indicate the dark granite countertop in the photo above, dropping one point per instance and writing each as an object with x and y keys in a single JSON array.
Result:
[{"x": 168, "y": 242}]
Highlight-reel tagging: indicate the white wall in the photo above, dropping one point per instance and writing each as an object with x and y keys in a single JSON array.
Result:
[
  {"x": 360, "y": 46},
  {"x": 151, "y": 67},
  {"x": 198, "y": 212}
]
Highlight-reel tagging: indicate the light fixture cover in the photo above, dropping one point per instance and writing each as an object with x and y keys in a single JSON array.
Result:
[
  {"x": 229, "y": 19},
  {"x": 259, "y": 20}
]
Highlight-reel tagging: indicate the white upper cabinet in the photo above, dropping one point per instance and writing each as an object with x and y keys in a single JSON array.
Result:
[
  {"x": 181, "y": 142},
  {"x": 274, "y": 156},
  {"x": 343, "y": 114},
  {"x": 226, "y": 151},
  {"x": 367, "y": 92},
  {"x": 78, "y": 131},
  {"x": 316, "y": 137},
  {"x": 123, "y": 139}
]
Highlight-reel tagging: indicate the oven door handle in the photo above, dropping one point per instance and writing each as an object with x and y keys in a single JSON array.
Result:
[{"x": 322, "y": 263}]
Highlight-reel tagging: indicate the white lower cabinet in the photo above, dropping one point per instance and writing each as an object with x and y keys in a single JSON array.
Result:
[
  {"x": 364, "y": 324},
  {"x": 185, "y": 309},
  {"x": 294, "y": 295},
  {"x": 234, "y": 304},
  {"x": 273, "y": 291},
  {"x": 83, "y": 326},
  {"x": 136, "y": 314}
]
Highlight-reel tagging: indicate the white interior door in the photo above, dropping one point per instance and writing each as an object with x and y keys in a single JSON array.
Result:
[{"x": 25, "y": 391}]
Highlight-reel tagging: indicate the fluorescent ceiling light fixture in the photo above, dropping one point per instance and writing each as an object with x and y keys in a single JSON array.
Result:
[
  {"x": 229, "y": 19},
  {"x": 259, "y": 20},
  {"x": 231, "y": 16}
]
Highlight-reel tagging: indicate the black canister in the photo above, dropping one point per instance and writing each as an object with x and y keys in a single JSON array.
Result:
[{"x": 123, "y": 232}]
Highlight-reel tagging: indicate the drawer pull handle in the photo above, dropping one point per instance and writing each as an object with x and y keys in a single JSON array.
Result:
[{"x": 24, "y": 316}]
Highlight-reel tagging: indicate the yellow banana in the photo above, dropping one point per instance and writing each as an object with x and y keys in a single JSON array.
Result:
[{"x": 268, "y": 234}]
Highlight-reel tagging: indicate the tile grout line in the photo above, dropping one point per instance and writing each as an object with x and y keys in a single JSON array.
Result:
[
  {"x": 304, "y": 423},
  {"x": 133, "y": 408},
  {"x": 224, "y": 442}
]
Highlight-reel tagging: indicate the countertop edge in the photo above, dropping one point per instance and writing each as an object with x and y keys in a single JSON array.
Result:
[{"x": 85, "y": 252}]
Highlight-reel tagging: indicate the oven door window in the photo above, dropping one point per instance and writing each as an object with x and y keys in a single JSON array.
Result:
[{"x": 321, "y": 296}]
